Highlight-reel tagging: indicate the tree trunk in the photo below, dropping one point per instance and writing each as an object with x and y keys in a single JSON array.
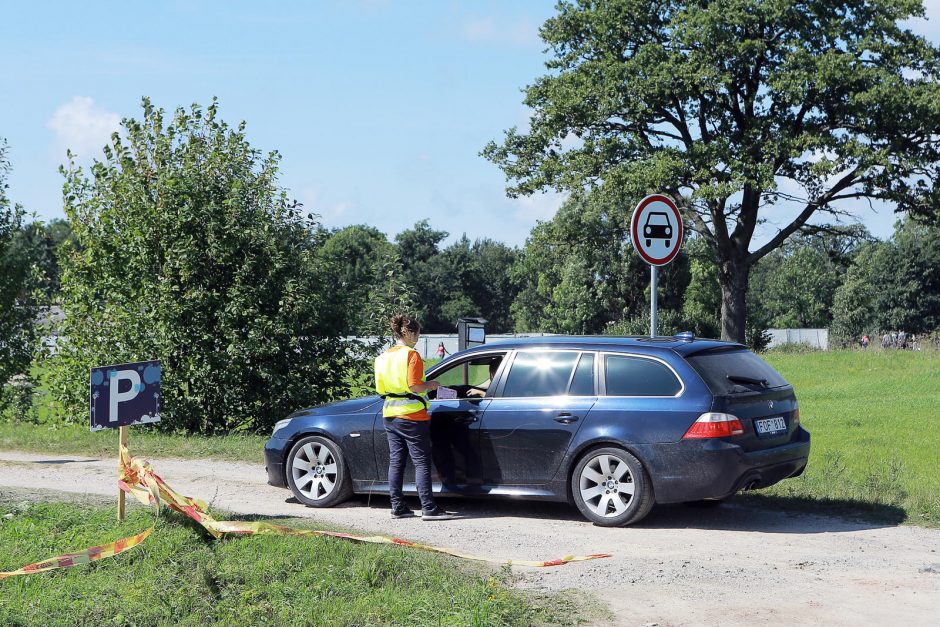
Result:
[{"x": 733, "y": 279}]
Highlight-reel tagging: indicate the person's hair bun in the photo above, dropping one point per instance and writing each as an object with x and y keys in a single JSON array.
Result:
[{"x": 400, "y": 322}]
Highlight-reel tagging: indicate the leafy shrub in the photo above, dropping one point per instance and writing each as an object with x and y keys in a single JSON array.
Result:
[
  {"x": 16, "y": 399},
  {"x": 186, "y": 250}
]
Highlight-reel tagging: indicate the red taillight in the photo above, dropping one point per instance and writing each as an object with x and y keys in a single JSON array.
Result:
[{"x": 714, "y": 425}]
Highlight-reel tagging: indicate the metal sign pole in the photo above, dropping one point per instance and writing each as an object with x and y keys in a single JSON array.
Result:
[{"x": 652, "y": 301}]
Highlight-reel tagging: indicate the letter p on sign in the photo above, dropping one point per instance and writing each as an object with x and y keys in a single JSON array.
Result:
[{"x": 124, "y": 395}]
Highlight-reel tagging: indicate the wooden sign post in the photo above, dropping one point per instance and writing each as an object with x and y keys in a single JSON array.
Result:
[
  {"x": 122, "y": 443},
  {"x": 121, "y": 396}
]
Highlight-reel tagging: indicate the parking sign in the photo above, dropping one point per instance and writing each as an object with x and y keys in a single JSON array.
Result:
[{"x": 124, "y": 395}]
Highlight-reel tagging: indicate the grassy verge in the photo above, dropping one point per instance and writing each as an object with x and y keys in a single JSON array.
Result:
[
  {"x": 144, "y": 441},
  {"x": 875, "y": 421},
  {"x": 181, "y": 576}
]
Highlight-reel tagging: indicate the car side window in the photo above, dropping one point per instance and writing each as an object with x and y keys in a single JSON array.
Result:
[
  {"x": 582, "y": 383},
  {"x": 636, "y": 376},
  {"x": 470, "y": 377},
  {"x": 540, "y": 373}
]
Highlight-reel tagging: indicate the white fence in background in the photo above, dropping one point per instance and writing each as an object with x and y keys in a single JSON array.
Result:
[
  {"x": 817, "y": 338},
  {"x": 427, "y": 344}
]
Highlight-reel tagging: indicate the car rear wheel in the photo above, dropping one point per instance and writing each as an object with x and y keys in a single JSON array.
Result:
[
  {"x": 611, "y": 487},
  {"x": 317, "y": 473}
]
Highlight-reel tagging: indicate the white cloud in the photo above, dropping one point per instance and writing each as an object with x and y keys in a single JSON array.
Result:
[
  {"x": 538, "y": 206},
  {"x": 82, "y": 126}
]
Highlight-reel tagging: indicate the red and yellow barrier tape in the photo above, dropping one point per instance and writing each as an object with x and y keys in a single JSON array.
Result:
[{"x": 138, "y": 479}]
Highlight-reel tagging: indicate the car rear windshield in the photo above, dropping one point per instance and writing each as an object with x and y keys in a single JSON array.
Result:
[{"x": 735, "y": 371}]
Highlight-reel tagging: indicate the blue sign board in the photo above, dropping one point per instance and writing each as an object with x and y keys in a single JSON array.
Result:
[{"x": 125, "y": 394}]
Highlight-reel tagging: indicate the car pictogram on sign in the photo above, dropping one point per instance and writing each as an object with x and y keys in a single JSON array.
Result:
[{"x": 657, "y": 227}]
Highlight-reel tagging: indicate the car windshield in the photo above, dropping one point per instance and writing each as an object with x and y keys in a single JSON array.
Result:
[{"x": 735, "y": 371}]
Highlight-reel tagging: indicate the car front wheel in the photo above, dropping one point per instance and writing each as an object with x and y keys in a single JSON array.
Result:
[
  {"x": 317, "y": 473},
  {"x": 611, "y": 488}
]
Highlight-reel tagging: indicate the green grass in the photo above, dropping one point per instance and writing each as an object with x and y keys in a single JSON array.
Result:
[
  {"x": 874, "y": 417},
  {"x": 144, "y": 441},
  {"x": 181, "y": 576}
]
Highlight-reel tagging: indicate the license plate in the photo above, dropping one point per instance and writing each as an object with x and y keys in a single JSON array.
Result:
[{"x": 770, "y": 425}]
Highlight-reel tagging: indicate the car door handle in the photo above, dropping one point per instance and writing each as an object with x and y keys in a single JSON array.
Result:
[{"x": 565, "y": 418}]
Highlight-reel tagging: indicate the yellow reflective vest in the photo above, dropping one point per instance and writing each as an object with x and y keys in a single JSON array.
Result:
[{"x": 391, "y": 378}]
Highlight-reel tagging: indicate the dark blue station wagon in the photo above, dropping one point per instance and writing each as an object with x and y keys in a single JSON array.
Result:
[{"x": 610, "y": 424}]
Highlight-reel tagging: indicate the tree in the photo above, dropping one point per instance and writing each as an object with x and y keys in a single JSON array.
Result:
[
  {"x": 578, "y": 272},
  {"x": 855, "y": 302},
  {"x": 44, "y": 241},
  {"x": 476, "y": 282},
  {"x": 17, "y": 306},
  {"x": 893, "y": 285},
  {"x": 186, "y": 250},
  {"x": 731, "y": 106},
  {"x": 359, "y": 256},
  {"x": 794, "y": 286},
  {"x": 418, "y": 248},
  {"x": 702, "y": 303}
]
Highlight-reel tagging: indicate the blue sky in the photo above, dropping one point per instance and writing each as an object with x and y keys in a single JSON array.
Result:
[{"x": 379, "y": 107}]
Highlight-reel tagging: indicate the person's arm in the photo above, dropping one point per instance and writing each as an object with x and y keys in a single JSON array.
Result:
[
  {"x": 416, "y": 374},
  {"x": 426, "y": 386}
]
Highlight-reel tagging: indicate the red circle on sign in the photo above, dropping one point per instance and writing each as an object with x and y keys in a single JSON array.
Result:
[{"x": 636, "y": 238}]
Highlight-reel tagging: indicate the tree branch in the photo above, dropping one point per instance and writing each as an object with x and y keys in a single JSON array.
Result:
[{"x": 846, "y": 181}]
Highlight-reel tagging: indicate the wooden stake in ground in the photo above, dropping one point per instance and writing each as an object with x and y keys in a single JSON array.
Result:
[{"x": 122, "y": 441}]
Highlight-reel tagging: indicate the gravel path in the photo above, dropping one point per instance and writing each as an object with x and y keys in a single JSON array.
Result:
[{"x": 734, "y": 564}]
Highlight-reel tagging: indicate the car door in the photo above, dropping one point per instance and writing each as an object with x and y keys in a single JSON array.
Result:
[{"x": 538, "y": 407}]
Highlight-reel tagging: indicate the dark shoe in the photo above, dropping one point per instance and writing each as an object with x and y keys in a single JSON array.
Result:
[
  {"x": 402, "y": 512},
  {"x": 437, "y": 513}
]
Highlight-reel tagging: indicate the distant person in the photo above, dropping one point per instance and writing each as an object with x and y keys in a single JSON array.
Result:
[
  {"x": 902, "y": 339},
  {"x": 886, "y": 341},
  {"x": 399, "y": 379},
  {"x": 914, "y": 346},
  {"x": 894, "y": 339},
  {"x": 441, "y": 351},
  {"x": 865, "y": 341}
]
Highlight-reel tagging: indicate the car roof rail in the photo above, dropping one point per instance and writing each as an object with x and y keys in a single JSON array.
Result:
[{"x": 688, "y": 336}]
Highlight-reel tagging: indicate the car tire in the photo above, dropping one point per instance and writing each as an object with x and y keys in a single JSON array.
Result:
[
  {"x": 667, "y": 243},
  {"x": 648, "y": 242},
  {"x": 611, "y": 488},
  {"x": 317, "y": 473}
]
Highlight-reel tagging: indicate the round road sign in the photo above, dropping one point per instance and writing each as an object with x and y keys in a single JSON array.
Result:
[{"x": 656, "y": 229}]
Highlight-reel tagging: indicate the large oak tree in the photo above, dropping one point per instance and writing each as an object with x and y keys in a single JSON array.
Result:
[{"x": 732, "y": 106}]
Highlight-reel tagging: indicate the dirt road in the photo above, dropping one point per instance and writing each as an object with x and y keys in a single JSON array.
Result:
[{"x": 734, "y": 564}]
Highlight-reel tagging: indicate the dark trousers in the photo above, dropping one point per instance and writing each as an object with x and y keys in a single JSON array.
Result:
[{"x": 409, "y": 438}]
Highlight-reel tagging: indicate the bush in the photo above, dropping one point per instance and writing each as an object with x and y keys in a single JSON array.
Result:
[
  {"x": 16, "y": 400},
  {"x": 17, "y": 282},
  {"x": 668, "y": 323},
  {"x": 186, "y": 250}
]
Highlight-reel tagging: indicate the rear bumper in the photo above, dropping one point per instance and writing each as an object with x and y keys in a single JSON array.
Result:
[
  {"x": 693, "y": 470},
  {"x": 274, "y": 452}
]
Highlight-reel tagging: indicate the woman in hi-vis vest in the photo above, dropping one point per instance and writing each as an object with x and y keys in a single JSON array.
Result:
[{"x": 399, "y": 379}]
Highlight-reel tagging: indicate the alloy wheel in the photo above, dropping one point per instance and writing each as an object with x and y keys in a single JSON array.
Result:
[
  {"x": 607, "y": 486},
  {"x": 314, "y": 471}
]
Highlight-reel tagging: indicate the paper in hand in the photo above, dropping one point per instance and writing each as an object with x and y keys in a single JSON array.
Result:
[{"x": 444, "y": 393}]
